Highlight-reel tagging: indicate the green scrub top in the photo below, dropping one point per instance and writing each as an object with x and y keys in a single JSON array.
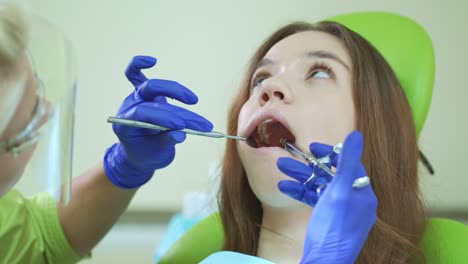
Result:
[{"x": 30, "y": 231}]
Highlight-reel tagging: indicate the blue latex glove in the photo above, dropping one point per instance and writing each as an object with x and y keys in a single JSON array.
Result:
[
  {"x": 343, "y": 216},
  {"x": 301, "y": 173},
  {"x": 132, "y": 162}
]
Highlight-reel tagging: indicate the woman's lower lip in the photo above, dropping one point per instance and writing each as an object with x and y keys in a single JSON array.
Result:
[
  {"x": 266, "y": 149},
  {"x": 276, "y": 151},
  {"x": 281, "y": 152}
]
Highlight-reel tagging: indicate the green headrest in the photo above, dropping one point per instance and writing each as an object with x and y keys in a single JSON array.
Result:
[
  {"x": 407, "y": 48},
  {"x": 445, "y": 241},
  {"x": 202, "y": 240}
]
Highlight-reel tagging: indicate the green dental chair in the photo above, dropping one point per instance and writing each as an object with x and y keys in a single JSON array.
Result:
[{"x": 408, "y": 49}]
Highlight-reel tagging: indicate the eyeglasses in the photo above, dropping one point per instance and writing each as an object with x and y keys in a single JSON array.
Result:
[{"x": 30, "y": 134}]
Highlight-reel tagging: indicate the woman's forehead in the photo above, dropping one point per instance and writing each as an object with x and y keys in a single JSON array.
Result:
[{"x": 300, "y": 44}]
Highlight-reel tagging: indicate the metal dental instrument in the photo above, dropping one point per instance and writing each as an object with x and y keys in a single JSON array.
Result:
[
  {"x": 134, "y": 123},
  {"x": 311, "y": 159},
  {"x": 307, "y": 156}
]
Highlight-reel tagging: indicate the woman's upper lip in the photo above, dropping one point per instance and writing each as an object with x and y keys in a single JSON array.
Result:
[{"x": 263, "y": 115}]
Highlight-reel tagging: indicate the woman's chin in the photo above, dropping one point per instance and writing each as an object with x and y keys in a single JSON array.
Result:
[{"x": 279, "y": 200}]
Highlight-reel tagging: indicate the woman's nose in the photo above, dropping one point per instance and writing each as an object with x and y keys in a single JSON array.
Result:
[{"x": 274, "y": 90}]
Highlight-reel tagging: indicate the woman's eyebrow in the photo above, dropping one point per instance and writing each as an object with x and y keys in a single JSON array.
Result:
[
  {"x": 321, "y": 54},
  {"x": 262, "y": 63}
]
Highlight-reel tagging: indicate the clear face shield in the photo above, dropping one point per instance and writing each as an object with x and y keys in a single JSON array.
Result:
[{"x": 50, "y": 132}]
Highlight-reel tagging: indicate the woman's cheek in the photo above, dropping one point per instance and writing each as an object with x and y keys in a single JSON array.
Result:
[{"x": 244, "y": 114}]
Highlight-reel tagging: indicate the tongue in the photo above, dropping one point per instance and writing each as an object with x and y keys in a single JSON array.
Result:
[{"x": 271, "y": 133}]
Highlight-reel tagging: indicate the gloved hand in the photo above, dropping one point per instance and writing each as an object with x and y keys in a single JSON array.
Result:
[
  {"x": 306, "y": 193},
  {"x": 343, "y": 216},
  {"x": 132, "y": 162}
]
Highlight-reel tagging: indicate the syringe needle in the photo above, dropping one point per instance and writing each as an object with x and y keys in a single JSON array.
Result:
[{"x": 307, "y": 156}]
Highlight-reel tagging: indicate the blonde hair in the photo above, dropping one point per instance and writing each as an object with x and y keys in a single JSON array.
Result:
[{"x": 13, "y": 43}]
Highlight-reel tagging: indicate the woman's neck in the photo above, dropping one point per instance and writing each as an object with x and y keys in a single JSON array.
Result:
[{"x": 283, "y": 232}]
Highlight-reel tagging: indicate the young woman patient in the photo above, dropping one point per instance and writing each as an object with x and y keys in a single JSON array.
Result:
[{"x": 316, "y": 86}]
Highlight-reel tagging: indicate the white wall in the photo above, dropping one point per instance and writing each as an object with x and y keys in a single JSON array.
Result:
[{"x": 205, "y": 46}]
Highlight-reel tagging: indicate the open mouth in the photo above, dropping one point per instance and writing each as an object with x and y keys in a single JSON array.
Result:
[{"x": 270, "y": 133}]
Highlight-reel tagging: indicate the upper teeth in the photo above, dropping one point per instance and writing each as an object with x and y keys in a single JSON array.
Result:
[
  {"x": 266, "y": 121},
  {"x": 263, "y": 132}
]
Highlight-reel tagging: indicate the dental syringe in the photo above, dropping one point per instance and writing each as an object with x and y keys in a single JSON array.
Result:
[{"x": 305, "y": 155}]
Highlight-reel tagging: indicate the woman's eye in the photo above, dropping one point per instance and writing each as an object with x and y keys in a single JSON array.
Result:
[
  {"x": 320, "y": 74},
  {"x": 258, "y": 81}
]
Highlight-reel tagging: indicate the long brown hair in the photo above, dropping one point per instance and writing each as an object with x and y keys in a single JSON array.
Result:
[{"x": 390, "y": 155}]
